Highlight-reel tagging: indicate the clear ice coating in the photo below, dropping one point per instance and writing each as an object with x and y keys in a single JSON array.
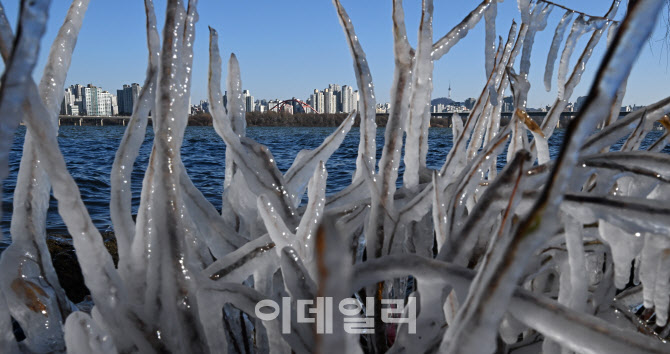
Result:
[{"x": 531, "y": 254}]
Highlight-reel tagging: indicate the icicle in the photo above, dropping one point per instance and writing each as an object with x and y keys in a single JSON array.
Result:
[
  {"x": 307, "y": 160},
  {"x": 333, "y": 271},
  {"x": 490, "y": 15},
  {"x": 6, "y": 36},
  {"x": 494, "y": 284},
  {"x": 524, "y": 10},
  {"x": 566, "y": 89},
  {"x": 215, "y": 295},
  {"x": 253, "y": 160},
  {"x": 541, "y": 141},
  {"x": 444, "y": 44},
  {"x": 7, "y": 339},
  {"x": 416, "y": 142},
  {"x": 83, "y": 335},
  {"x": 439, "y": 214},
  {"x": 578, "y": 294},
  {"x": 625, "y": 247},
  {"x": 173, "y": 291},
  {"x": 60, "y": 57},
  {"x": 302, "y": 241},
  {"x": 6, "y": 43},
  {"x": 520, "y": 86},
  {"x": 616, "y": 107},
  {"x": 98, "y": 269},
  {"x": 555, "y": 45},
  {"x": 32, "y": 23},
  {"x": 506, "y": 186},
  {"x": 629, "y": 213},
  {"x": 367, "y": 148},
  {"x": 579, "y": 27},
  {"x": 538, "y": 22},
  {"x": 501, "y": 83},
  {"x": 238, "y": 265},
  {"x": 383, "y": 204},
  {"x": 624, "y": 126},
  {"x": 458, "y": 154},
  {"x": 38, "y": 279},
  {"x": 133, "y": 137},
  {"x": 220, "y": 237},
  {"x": 575, "y": 330},
  {"x": 662, "y": 141},
  {"x": 457, "y": 132},
  {"x": 482, "y": 119},
  {"x": 390, "y": 160}
]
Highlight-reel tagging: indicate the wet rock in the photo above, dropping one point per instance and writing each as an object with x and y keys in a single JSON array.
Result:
[{"x": 67, "y": 266}]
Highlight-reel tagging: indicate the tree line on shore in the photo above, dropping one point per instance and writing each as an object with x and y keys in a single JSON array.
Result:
[{"x": 282, "y": 119}]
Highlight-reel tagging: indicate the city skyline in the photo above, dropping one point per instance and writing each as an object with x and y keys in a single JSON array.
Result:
[
  {"x": 317, "y": 48},
  {"x": 91, "y": 100}
]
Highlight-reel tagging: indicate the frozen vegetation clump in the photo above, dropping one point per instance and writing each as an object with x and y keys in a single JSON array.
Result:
[{"x": 569, "y": 255}]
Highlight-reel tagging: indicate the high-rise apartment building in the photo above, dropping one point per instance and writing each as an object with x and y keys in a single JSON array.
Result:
[
  {"x": 347, "y": 99},
  {"x": 355, "y": 99},
  {"x": 127, "y": 98},
  {"x": 330, "y": 102},
  {"x": 97, "y": 102},
  {"x": 337, "y": 92},
  {"x": 68, "y": 102},
  {"x": 317, "y": 99},
  {"x": 248, "y": 100}
]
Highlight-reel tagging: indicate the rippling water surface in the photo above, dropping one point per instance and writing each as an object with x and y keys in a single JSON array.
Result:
[{"x": 89, "y": 152}]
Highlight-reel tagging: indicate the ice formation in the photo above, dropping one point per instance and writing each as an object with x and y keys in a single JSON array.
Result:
[{"x": 526, "y": 258}]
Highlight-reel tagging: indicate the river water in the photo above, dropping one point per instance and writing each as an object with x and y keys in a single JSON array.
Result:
[{"x": 89, "y": 153}]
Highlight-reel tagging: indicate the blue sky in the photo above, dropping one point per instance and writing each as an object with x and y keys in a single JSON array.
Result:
[{"x": 288, "y": 48}]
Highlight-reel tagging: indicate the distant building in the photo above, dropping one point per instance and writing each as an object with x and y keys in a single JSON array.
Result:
[
  {"x": 317, "y": 101},
  {"x": 337, "y": 93},
  {"x": 127, "y": 97},
  {"x": 383, "y": 108},
  {"x": 355, "y": 98},
  {"x": 204, "y": 106},
  {"x": 114, "y": 104},
  {"x": 69, "y": 103},
  {"x": 470, "y": 102},
  {"x": 248, "y": 100},
  {"x": 508, "y": 104},
  {"x": 273, "y": 105},
  {"x": 347, "y": 99},
  {"x": 330, "y": 102},
  {"x": 109, "y": 105},
  {"x": 579, "y": 103},
  {"x": 94, "y": 101}
]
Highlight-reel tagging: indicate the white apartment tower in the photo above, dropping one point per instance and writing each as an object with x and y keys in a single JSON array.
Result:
[
  {"x": 248, "y": 100},
  {"x": 69, "y": 105},
  {"x": 355, "y": 98},
  {"x": 97, "y": 102},
  {"x": 347, "y": 99},
  {"x": 317, "y": 101},
  {"x": 330, "y": 101}
]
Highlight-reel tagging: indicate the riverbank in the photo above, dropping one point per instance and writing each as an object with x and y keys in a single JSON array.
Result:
[{"x": 254, "y": 119}]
